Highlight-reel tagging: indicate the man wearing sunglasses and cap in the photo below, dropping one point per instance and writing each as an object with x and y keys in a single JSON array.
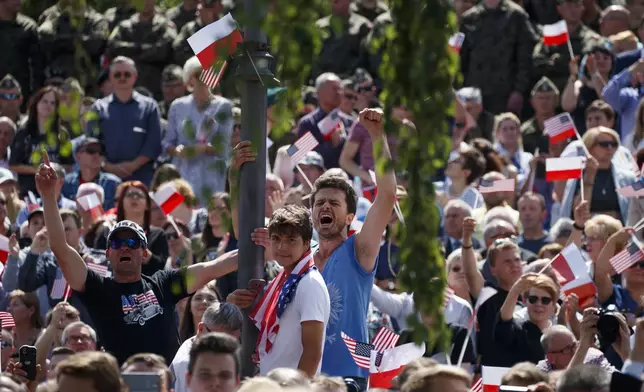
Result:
[
  {"x": 132, "y": 313},
  {"x": 10, "y": 99}
]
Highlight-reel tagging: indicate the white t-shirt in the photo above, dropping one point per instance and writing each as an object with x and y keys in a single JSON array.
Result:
[
  {"x": 179, "y": 365},
  {"x": 311, "y": 303}
]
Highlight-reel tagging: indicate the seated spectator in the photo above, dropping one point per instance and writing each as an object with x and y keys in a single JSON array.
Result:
[
  {"x": 219, "y": 317},
  {"x": 95, "y": 371},
  {"x": 214, "y": 355},
  {"x": 89, "y": 155},
  {"x": 63, "y": 202},
  {"x": 134, "y": 205},
  {"x": 524, "y": 374},
  {"x": 25, "y": 310},
  {"x": 194, "y": 307},
  {"x": 523, "y": 338}
]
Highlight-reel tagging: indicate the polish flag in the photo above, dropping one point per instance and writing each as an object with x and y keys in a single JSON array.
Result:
[
  {"x": 492, "y": 377},
  {"x": 4, "y": 249},
  {"x": 168, "y": 198},
  {"x": 217, "y": 41},
  {"x": 456, "y": 42},
  {"x": 356, "y": 226},
  {"x": 92, "y": 204},
  {"x": 384, "y": 367},
  {"x": 329, "y": 124},
  {"x": 585, "y": 289},
  {"x": 558, "y": 169},
  {"x": 555, "y": 34},
  {"x": 569, "y": 264}
]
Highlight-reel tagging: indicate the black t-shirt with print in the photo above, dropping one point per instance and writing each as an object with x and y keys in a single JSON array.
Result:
[{"x": 136, "y": 317}]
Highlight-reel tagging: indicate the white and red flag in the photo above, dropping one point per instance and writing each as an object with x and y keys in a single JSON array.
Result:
[
  {"x": 477, "y": 385},
  {"x": 584, "y": 288},
  {"x": 627, "y": 257},
  {"x": 92, "y": 204},
  {"x": 4, "y": 249},
  {"x": 214, "y": 44},
  {"x": 555, "y": 34},
  {"x": 356, "y": 226},
  {"x": 492, "y": 377},
  {"x": 560, "y": 127},
  {"x": 456, "y": 42},
  {"x": 330, "y": 124},
  {"x": 385, "y": 366},
  {"x": 490, "y": 186},
  {"x": 558, "y": 169},
  {"x": 168, "y": 198},
  {"x": 302, "y": 146},
  {"x": 569, "y": 264}
]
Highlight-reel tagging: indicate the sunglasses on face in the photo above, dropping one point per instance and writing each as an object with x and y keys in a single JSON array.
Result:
[
  {"x": 459, "y": 125},
  {"x": 9, "y": 96},
  {"x": 118, "y": 243},
  {"x": 135, "y": 195},
  {"x": 122, "y": 75},
  {"x": 533, "y": 299},
  {"x": 566, "y": 350},
  {"x": 607, "y": 144},
  {"x": 92, "y": 150}
]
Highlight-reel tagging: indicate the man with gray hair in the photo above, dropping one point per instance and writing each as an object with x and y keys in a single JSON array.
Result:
[
  {"x": 127, "y": 124},
  {"x": 454, "y": 212},
  {"x": 472, "y": 100},
  {"x": 79, "y": 337},
  {"x": 219, "y": 317},
  {"x": 330, "y": 138}
]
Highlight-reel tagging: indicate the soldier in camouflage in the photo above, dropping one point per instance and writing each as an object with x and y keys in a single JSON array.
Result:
[
  {"x": 544, "y": 100},
  {"x": 172, "y": 87},
  {"x": 123, "y": 10},
  {"x": 10, "y": 99},
  {"x": 497, "y": 53},
  {"x": 370, "y": 9},
  {"x": 343, "y": 33},
  {"x": 552, "y": 61},
  {"x": 208, "y": 11},
  {"x": 183, "y": 13},
  {"x": 72, "y": 40},
  {"x": 20, "y": 47},
  {"x": 372, "y": 55},
  {"x": 147, "y": 39}
]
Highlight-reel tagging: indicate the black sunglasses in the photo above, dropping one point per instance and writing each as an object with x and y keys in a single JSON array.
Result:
[
  {"x": 126, "y": 75},
  {"x": 135, "y": 195},
  {"x": 533, "y": 299},
  {"x": 10, "y": 96},
  {"x": 92, "y": 150},
  {"x": 456, "y": 269},
  {"x": 118, "y": 243},
  {"x": 350, "y": 97},
  {"x": 606, "y": 144}
]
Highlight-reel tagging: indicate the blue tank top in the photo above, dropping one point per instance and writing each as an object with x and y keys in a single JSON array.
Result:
[{"x": 349, "y": 289}]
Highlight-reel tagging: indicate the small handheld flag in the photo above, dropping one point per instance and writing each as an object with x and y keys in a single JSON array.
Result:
[{"x": 301, "y": 147}]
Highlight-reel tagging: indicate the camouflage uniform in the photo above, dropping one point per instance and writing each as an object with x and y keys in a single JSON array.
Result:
[
  {"x": 542, "y": 12},
  {"x": 369, "y": 13},
  {"x": 148, "y": 43},
  {"x": 71, "y": 51},
  {"x": 342, "y": 42},
  {"x": 531, "y": 131},
  {"x": 21, "y": 52},
  {"x": 116, "y": 15},
  {"x": 180, "y": 16},
  {"x": 181, "y": 50},
  {"x": 371, "y": 58},
  {"x": 552, "y": 61},
  {"x": 497, "y": 52}
]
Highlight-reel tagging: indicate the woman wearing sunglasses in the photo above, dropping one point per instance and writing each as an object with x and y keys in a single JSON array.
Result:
[
  {"x": 523, "y": 338},
  {"x": 601, "y": 178},
  {"x": 134, "y": 203}
]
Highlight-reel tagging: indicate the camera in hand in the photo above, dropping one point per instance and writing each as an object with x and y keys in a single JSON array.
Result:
[
  {"x": 608, "y": 325},
  {"x": 351, "y": 384}
]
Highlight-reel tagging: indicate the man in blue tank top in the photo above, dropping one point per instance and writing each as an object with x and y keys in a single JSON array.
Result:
[{"x": 348, "y": 264}]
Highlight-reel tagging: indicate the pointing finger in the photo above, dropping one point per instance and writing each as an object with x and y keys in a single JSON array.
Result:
[{"x": 46, "y": 157}]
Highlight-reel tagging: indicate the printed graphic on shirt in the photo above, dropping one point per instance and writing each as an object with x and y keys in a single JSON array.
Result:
[
  {"x": 139, "y": 308},
  {"x": 335, "y": 298}
]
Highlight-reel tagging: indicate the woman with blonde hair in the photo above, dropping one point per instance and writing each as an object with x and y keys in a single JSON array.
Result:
[
  {"x": 634, "y": 141},
  {"x": 601, "y": 178},
  {"x": 508, "y": 143}
]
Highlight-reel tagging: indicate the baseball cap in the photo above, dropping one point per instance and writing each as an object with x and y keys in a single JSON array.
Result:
[
  {"x": 6, "y": 175},
  {"x": 128, "y": 225},
  {"x": 313, "y": 158},
  {"x": 8, "y": 82},
  {"x": 84, "y": 141}
]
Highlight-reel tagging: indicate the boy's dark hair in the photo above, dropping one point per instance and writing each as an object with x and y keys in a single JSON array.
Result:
[
  {"x": 290, "y": 220},
  {"x": 215, "y": 343},
  {"x": 337, "y": 182},
  {"x": 600, "y": 106},
  {"x": 473, "y": 161},
  {"x": 69, "y": 213}
]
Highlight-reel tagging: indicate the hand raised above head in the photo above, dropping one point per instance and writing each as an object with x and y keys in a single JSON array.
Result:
[{"x": 46, "y": 178}]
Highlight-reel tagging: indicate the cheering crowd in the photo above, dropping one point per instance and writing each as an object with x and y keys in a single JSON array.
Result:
[{"x": 119, "y": 192}]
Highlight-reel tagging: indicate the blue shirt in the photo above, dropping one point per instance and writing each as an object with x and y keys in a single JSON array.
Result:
[
  {"x": 128, "y": 130},
  {"x": 107, "y": 181},
  {"x": 623, "y": 301},
  {"x": 349, "y": 287},
  {"x": 624, "y": 98},
  {"x": 330, "y": 153}
]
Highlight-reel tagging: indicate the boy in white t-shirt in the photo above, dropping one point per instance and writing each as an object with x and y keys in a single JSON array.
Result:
[{"x": 293, "y": 312}]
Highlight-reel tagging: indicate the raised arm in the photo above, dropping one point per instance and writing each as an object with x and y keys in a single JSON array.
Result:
[
  {"x": 199, "y": 274},
  {"x": 603, "y": 268},
  {"x": 367, "y": 242},
  {"x": 473, "y": 276},
  {"x": 70, "y": 262}
]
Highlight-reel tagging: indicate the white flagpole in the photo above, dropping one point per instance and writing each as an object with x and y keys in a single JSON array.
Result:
[{"x": 308, "y": 182}]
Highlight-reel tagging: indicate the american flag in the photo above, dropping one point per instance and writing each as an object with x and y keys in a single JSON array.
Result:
[
  {"x": 456, "y": 41},
  {"x": 329, "y": 124},
  {"x": 126, "y": 305},
  {"x": 301, "y": 147},
  {"x": 360, "y": 352},
  {"x": 100, "y": 269},
  {"x": 560, "y": 127},
  {"x": 447, "y": 296},
  {"x": 267, "y": 312},
  {"x": 60, "y": 288},
  {"x": 627, "y": 257},
  {"x": 7, "y": 320},
  {"x": 210, "y": 77},
  {"x": 477, "y": 386},
  {"x": 489, "y": 186},
  {"x": 147, "y": 298},
  {"x": 384, "y": 339}
]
